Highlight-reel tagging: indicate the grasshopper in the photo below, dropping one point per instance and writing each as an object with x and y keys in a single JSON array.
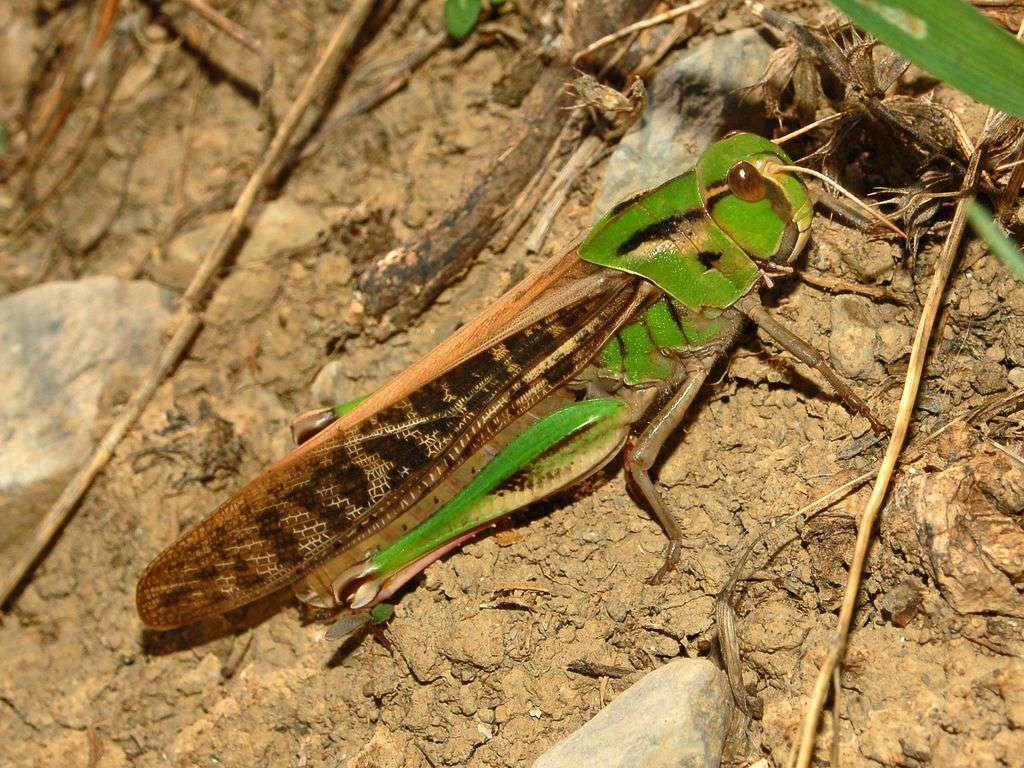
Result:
[{"x": 600, "y": 351}]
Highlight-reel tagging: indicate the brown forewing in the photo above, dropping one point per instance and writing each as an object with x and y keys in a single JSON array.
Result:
[{"x": 352, "y": 480}]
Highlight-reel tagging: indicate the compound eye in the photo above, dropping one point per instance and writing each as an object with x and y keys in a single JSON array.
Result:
[{"x": 746, "y": 182}]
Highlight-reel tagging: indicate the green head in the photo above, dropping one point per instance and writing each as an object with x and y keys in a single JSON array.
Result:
[{"x": 767, "y": 212}]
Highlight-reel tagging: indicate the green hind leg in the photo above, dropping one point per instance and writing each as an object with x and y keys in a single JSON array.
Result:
[{"x": 558, "y": 450}]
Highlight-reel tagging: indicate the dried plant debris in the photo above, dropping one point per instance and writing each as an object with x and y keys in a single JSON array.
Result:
[
  {"x": 837, "y": 64},
  {"x": 613, "y": 112},
  {"x": 917, "y": 145},
  {"x": 956, "y": 518}
]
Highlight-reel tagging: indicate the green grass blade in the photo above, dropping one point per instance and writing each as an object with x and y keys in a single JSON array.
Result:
[
  {"x": 951, "y": 40},
  {"x": 992, "y": 234}
]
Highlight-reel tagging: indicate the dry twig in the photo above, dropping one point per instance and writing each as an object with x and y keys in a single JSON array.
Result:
[
  {"x": 244, "y": 37},
  {"x": 833, "y": 285},
  {"x": 67, "y": 88},
  {"x": 363, "y": 103},
  {"x": 187, "y": 319},
  {"x": 629, "y": 29},
  {"x": 406, "y": 280},
  {"x": 558, "y": 192},
  {"x": 947, "y": 258}
]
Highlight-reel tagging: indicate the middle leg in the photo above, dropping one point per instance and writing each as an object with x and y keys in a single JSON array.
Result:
[
  {"x": 640, "y": 456},
  {"x": 805, "y": 353}
]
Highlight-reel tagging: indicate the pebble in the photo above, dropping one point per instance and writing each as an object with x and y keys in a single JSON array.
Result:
[
  {"x": 675, "y": 716},
  {"x": 282, "y": 225},
  {"x": 330, "y": 384},
  {"x": 693, "y": 100},
  {"x": 616, "y": 609},
  {"x": 852, "y": 343},
  {"x": 872, "y": 262},
  {"x": 893, "y": 343},
  {"x": 61, "y": 345},
  {"x": 987, "y": 377}
]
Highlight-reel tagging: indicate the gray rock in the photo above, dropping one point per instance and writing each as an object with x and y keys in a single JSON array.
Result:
[
  {"x": 692, "y": 101},
  {"x": 281, "y": 225},
  {"x": 987, "y": 377},
  {"x": 893, "y": 342},
  {"x": 872, "y": 261},
  {"x": 61, "y": 344},
  {"x": 674, "y": 717}
]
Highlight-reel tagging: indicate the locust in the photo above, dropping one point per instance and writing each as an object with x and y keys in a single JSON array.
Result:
[{"x": 600, "y": 352}]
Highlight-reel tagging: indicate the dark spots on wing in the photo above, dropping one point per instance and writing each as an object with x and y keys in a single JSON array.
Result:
[
  {"x": 560, "y": 371},
  {"x": 659, "y": 230},
  {"x": 172, "y": 597},
  {"x": 206, "y": 572},
  {"x": 287, "y": 547},
  {"x": 426, "y": 400}
]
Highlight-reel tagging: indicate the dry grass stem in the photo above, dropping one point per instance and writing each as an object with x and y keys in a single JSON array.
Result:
[
  {"x": 243, "y": 37},
  {"x": 626, "y": 31},
  {"x": 918, "y": 354},
  {"x": 187, "y": 319},
  {"x": 558, "y": 192},
  {"x": 810, "y": 127},
  {"x": 844, "y": 286}
]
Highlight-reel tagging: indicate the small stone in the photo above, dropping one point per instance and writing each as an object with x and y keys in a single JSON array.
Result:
[
  {"x": 902, "y": 603},
  {"x": 933, "y": 404},
  {"x": 1016, "y": 377},
  {"x": 283, "y": 224},
  {"x": 988, "y": 377},
  {"x": 661, "y": 646},
  {"x": 329, "y": 386},
  {"x": 995, "y": 353},
  {"x": 616, "y": 609},
  {"x": 62, "y": 347},
  {"x": 872, "y": 262},
  {"x": 893, "y": 343},
  {"x": 674, "y": 716},
  {"x": 979, "y": 303},
  {"x": 852, "y": 344},
  {"x": 1010, "y": 683}
]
